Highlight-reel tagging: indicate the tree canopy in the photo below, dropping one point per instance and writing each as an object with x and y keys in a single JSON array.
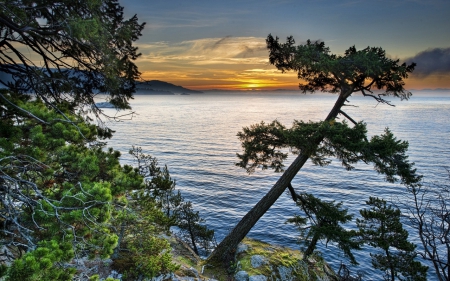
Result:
[{"x": 355, "y": 71}]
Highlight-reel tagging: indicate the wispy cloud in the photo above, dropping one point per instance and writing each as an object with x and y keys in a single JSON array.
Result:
[{"x": 226, "y": 50}]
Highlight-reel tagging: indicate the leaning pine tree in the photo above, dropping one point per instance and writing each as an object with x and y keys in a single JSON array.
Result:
[{"x": 357, "y": 71}]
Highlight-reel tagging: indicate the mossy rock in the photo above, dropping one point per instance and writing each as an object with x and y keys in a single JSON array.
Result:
[{"x": 280, "y": 263}]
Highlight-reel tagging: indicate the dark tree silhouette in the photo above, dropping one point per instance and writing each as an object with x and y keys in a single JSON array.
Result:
[
  {"x": 322, "y": 220},
  {"x": 430, "y": 216},
  {"x": 381, "y": 228}
]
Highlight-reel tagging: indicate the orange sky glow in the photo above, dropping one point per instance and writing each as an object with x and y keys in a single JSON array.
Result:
[{"x": 233, "y": 63}]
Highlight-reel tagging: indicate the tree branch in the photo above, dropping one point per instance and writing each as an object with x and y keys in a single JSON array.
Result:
[
  {"x": 23, "y": 110},
  {"x": 377, "y": 98},
  {"x": 348, "y": 117}
]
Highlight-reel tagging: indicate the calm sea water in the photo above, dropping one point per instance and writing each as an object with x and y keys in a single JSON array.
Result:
[{"x": 195, "y": 136}]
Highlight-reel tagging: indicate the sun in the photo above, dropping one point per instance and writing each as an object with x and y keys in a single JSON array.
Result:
[{"x": 252, "y": 85}]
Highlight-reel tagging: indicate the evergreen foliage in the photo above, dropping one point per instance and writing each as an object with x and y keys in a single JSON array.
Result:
[
  {"x": 160, "y": 187},
  {"x": 39, "y": 264},
  {"x": 263, "y": 146},
  {"x": 192, "y": 231},
  {"x": 323, "y": 221},
  {"x": 381, "y": 228},
  {"x": 142, "y": 252},
  {"x": 57, "y": 186},
  {"x": 160, "y": 190}
]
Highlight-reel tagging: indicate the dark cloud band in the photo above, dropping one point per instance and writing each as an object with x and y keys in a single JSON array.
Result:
[{"x": 432, "y": 61}]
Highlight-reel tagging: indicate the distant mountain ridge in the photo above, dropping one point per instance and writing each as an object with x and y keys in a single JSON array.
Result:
[{"x": 161, "y": 87}]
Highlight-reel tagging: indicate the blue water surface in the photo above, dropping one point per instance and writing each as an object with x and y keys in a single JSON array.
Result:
[{"x": 195, "y": 136}]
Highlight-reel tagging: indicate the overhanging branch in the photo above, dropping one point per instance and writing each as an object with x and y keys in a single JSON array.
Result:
[
  {"x": 348, "y": 117},
  {"x": 378, "y": 97}
]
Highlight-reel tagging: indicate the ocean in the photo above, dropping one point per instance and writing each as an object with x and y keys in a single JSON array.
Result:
[{"x": 195, "y": 136}]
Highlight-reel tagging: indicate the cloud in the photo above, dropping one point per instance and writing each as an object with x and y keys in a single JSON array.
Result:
[
  {"x": 207, "y": 51},
  {"x": 431, "y": 61}
]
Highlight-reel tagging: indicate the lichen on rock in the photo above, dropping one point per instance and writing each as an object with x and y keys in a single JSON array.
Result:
[{"x": 257, "y": 261}]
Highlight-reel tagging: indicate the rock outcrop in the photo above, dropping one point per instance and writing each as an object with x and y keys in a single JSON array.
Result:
[{"x": 255, "y": 261}]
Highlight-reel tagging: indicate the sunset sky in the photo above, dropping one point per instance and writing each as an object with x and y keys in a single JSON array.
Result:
[{"x": 221, "y": 44}]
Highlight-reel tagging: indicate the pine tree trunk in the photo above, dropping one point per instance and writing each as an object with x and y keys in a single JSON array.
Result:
[
  {"x": 116, "y": 252},
  {"x": 311, "y": 246},
  {"x": 390, "y": 264},
  {"x": 191, "y": 233},
  {"x": 224, "y": 252}
]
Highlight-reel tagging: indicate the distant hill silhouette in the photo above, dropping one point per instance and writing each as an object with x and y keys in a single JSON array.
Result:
[
  {"x": 151, "y": 87},
  {"x": 157, "y": 87}
]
